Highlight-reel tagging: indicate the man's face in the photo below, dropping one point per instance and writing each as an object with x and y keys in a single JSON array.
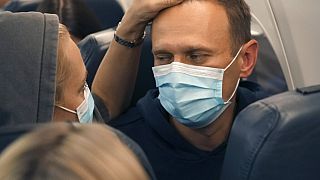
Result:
[{"x": 196, "y": 33}]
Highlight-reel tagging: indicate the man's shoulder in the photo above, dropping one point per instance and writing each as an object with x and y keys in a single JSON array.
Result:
[
  {"x": 249, "y": 92},
  {"x": 253, "y": 89},
  {"x": 250, "y": 85}
]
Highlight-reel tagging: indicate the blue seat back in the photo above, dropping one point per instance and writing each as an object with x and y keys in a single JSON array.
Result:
[
  {"x": 22, "y": 5},
  {"x": 109, "y": 12},
  {"x": 93, "y": 48},
  {"x": 276, "y": 138}
]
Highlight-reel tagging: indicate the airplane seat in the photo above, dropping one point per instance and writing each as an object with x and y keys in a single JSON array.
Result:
[
  {"x": 22, "y": 5},
  {"x": 9, "y": 134},
  {"x": 268, "y": 72},
  {"x": 109, "y": 12},
  {"x": 94, "y": 47},
  {"x": 276, "y": 138}
]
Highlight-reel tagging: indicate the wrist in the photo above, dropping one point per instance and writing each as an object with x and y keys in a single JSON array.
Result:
[
  {"x": 129, "y": 43},
  {"x": 131, "y": 27}
]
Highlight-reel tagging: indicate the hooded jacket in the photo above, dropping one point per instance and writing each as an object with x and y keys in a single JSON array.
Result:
[{"x": 28, "y": 52}]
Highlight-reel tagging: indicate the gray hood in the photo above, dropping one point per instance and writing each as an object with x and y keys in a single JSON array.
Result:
[{"x": 28, "y": 52}]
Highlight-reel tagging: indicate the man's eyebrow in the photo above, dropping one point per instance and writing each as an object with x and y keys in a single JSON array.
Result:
[
  {"x": 198, "y": 49},
  {"x": 159, "y": 51},
  {"x": 186, "y": 49}
]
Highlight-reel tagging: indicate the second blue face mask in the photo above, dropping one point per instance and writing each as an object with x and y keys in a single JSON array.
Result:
[
  {"x": 85, "y": 110},
  {"x": 192, "y": 94}
]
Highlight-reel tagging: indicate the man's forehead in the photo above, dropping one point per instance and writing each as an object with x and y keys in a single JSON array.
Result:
[
  {"x": 193, "y": 22},
  {"x": 188, "y": 6},
  {"x": 201, "y": 13}
]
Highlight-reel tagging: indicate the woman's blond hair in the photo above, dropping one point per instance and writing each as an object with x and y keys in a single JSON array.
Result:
[
  {"x": 73, "y": 152},
  {"x": 63, "y": 69}
]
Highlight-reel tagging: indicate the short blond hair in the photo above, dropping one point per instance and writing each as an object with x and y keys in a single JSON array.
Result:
[
  {"x": 67, "y": 151},
  {"x": 63, "y": 69}
]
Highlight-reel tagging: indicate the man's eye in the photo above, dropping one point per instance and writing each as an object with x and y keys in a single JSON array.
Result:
[
  {"x": 163, "y": 57},
  {"x": 198, "y": 57},
  {"x": 195, "y": 57}
]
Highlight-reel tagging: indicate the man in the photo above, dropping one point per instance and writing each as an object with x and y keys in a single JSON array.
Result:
[{"x": 201, "y": 50}]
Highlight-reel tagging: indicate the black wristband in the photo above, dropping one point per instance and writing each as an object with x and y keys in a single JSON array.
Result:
[{"x": 129, "y": 44}]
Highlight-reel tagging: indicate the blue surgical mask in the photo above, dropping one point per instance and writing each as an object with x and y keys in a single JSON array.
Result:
[
  {"x": 192, "y": 94},
  {"x": 84, "y": 111}
]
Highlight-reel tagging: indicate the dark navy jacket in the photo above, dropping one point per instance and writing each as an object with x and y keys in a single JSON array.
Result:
[{"x": 170, "y": 155}]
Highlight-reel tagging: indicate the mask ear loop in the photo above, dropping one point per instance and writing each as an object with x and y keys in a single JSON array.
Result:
[
  {"x": 235, "y": 89},
  {"x": 234, "y": 92},
  {"x": 235, "y": 57},
  {"x": 66, "y": 109}
]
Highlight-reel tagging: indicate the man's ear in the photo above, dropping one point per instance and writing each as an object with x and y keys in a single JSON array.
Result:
[{"x": 249, "y": 58}]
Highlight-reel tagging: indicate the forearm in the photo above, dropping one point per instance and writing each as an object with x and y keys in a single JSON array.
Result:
[{"x": 115, "y": 79}]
